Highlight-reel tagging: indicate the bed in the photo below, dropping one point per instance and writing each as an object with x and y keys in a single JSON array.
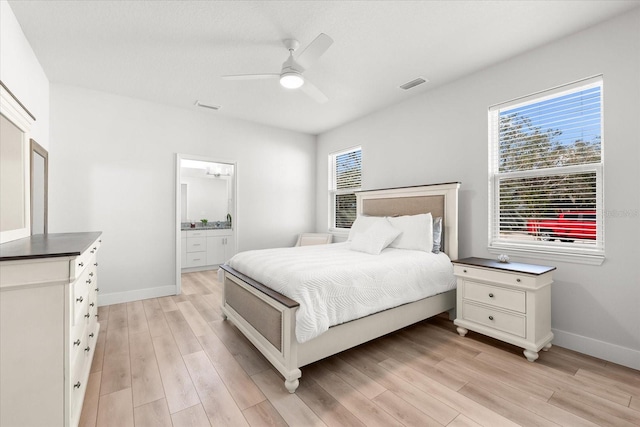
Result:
[{"x": 268, "y": 318}]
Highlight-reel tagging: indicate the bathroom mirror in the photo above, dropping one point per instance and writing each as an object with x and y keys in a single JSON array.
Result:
[
  {"x": 205, "y": 190},
  {"x": 39, "y": 188}
]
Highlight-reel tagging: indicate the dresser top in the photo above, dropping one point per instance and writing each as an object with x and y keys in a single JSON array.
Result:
[
  {"x": 48, "y": 246},
  {"x": 514, "y": 267}
]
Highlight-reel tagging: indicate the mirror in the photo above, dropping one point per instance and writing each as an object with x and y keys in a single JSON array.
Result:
[
  {"x": 15, "y": 125},
  {"x": 206, "y": 191},
  {"x": 12, "y": 176},
  {"x": 39, "y": 188}
]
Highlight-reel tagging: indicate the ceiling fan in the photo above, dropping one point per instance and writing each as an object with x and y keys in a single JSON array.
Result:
[{"x": 291, "y": 75}]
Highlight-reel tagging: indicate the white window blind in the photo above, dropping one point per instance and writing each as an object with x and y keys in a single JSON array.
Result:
[
  {"x": 345, "y": 178},
  {"x": 545, "y": 171}
]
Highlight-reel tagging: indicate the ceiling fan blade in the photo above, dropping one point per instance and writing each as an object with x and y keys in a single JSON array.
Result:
[
  {"x": 314, "y": 51},
  {"x": 250, "y": 76},
  {"x": 315, "y": 93}
]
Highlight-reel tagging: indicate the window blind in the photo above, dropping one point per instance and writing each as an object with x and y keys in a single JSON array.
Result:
[
  {"x": 345, "y": 180},
  {"x": 349, "y": 169},
  {"x": 546, "y": 170}
]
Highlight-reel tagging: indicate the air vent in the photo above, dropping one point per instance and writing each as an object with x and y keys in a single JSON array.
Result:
[
  {"x": 413, "y": 83},
  {"x": 209, "y": 106}
]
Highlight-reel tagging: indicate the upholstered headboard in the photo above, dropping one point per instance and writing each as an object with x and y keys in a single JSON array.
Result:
[{"x": 439, "y": 199}]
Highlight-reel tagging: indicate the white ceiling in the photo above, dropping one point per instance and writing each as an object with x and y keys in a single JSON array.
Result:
[{"x": 174, "y": 52}]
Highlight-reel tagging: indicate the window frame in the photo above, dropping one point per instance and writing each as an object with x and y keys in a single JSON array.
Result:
[
  {"x": 568, "y": 252},
  {"x": 333, "y": 191}
]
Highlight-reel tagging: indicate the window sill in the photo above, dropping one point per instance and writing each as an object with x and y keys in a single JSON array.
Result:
[{"x": 548, "y": 254}]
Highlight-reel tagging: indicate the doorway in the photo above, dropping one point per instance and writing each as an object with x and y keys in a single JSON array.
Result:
[{"x": 206, "y": 220}]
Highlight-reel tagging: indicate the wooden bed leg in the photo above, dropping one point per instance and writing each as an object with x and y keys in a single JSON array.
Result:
[{"x": 291, "y": 386}]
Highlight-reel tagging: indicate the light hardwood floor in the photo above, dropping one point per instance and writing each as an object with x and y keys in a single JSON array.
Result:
[{"x": 173, "y": 361}]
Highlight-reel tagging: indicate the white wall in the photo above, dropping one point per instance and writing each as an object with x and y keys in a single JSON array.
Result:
[
  {"x": 113, "y": 170},
  {"x": 21, "y": 72},
  {"x": 441, "y": 136}
]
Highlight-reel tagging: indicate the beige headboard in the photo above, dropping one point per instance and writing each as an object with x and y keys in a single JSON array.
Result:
[{"x": 439, "y": 199}]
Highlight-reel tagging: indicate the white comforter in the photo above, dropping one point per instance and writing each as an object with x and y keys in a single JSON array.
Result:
[{"x": 334, "y": 284}]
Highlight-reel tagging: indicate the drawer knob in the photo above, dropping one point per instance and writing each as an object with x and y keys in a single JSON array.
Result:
[
  {"x": 80, "y": 299},
  {"x": 91, "y": 274},
  {"x": 490, "y": 317},
  {"x": 97, "y": 289},
  {"x": 490, "y": 295},
  {"x": 518, "y": 280},
  {"x": 92, "y": 304},
  {"x": 77, "y": 385},
  {"x": 95, "y": 263},
  {"x": 87, "y": 348},
  {"x": 87, "y": 315},
  {"x": 81, "y": 264},
  {"x": 89, "y": 281},
  {"x": 77, "y": 342},
  {"x": 93, "y": 250},
  {"x": 91, "y": 335},
  {"x": 464, "y": 271}
]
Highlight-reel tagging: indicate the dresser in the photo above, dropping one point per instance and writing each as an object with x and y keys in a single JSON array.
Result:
[
  {"x": 48, "y": 327},
  {"x": 507, "y": 301}
]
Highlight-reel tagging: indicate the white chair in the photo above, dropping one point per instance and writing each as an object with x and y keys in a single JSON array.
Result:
[{"x": 308, "y": 239}]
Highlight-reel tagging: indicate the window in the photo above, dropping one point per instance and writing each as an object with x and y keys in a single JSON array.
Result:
[
  {"x": 345, "y": 178},
  {"x": 545, "y": 172}
]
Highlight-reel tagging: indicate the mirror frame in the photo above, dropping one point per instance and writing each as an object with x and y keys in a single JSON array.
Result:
[
  {"x": 14, "y": 111},
  {"x": 39, "y": 150}
]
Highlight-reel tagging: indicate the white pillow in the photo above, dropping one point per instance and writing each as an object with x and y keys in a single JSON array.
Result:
[
  {"x": 362, "y": 224},
  {"x": 417, "y": 232},
  {"x": 375, "y": 238}
]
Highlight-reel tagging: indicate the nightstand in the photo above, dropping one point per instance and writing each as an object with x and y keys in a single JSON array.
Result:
[{"x": 507, "y": 301}]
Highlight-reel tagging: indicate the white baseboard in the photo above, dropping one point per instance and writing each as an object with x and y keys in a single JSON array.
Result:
[
  {"x": 138, "y": 294},
  {"x": 600, "y": 349}
]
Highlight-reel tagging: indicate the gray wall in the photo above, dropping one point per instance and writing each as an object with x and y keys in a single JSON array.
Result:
[
  {"x": 113, "y": 170},
  {"x": 441, "y": 136}
]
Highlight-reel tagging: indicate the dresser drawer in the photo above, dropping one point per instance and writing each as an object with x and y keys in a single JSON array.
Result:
[
  {"x": 509, "y": 299},
  {"x": 78, "y": 340},
  {"x": 196, "y": 259},
  {"x": 196, "y": 244},
  {"x": 78, "y": 379},
  {"x": 495, "y": 319},
  {"x": 80, "y": 299},
  {"x": 86, "y": 259}
]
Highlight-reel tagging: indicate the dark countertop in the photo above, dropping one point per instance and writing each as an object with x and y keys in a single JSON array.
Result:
[
  {"x": 48, "y": 246},
  {"x": 507, "y": 266}
]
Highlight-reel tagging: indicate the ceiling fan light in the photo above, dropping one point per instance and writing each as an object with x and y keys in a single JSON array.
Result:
[{"x": 291, "y": 80}]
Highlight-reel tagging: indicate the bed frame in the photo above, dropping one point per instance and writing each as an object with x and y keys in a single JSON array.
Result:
[{"x": 268, "y": 318}]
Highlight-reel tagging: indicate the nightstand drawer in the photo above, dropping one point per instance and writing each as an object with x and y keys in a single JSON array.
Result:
[
  {"x": 509, "y": 299},
  {"x": 493, "y": 276},
  {"x": 496, "y": 319}
]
